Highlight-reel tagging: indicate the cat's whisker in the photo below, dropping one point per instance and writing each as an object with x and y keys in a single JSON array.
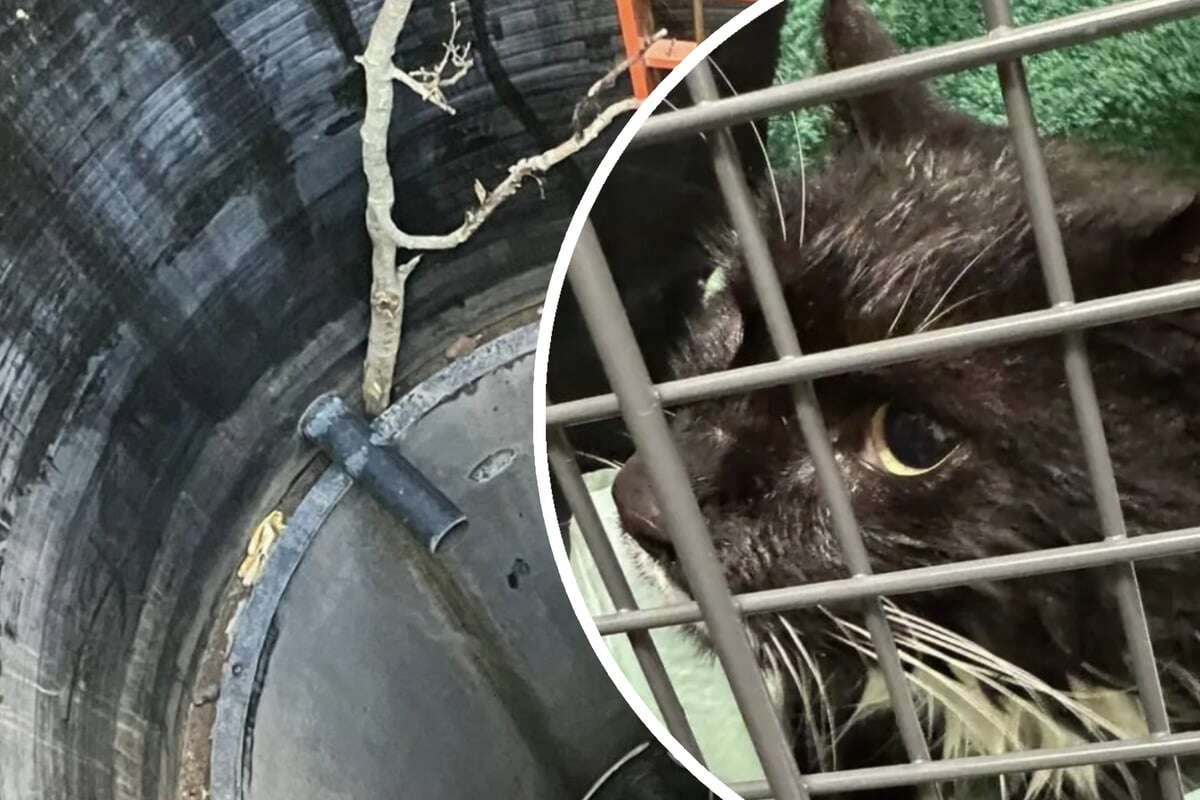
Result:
[
  {"x": 924, "y": 685},
  {"x": 803, "y": 177},
  {"x": 1042, "y": 782},
  {"x": 1189, "y": 683},
  {"x": 608, "y": 462},
  {"x": 868, "y": 652},
  {"x": 969, "y": 670},
  {"x": 1105, "y": 677},
  {"x": 1002, "y": 669},
  {"x": 912, "y": 287},
  {"x": 762, "y": 146},
  {"x": 769, "y": 655},
  {"x": 924, "y": 326},
  {"x": 1051, "y": 731},
  {"x": 1187, "y": 680},
  {"x": 959, "y": 645},
  {"x": 1005, "y": 722},
  {"x": 815, "y": 670},
  {"x": 844, "y": 626},
  {"x": 810, "y": 717},
  {"x": 931, "y": 697},
  {"x": 911, "y": 658},
  {"x": 788, "y": 664},
  {"x": 962, "y": 274},
  {"x": 770, "y": 649}
]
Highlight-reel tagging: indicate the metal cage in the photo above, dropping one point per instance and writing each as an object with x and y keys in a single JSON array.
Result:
[{"x": 641, "y": 404}]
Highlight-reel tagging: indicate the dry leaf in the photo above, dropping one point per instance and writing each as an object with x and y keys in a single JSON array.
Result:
[
  {"x": 461, "y": 347},
  {"x": 261, "y": 541}
]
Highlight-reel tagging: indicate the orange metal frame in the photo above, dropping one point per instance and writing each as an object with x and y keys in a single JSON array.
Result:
[{"x": 637, "y": 25}]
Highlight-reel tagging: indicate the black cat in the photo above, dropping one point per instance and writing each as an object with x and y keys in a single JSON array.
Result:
[{"x": 917, "y": 220}]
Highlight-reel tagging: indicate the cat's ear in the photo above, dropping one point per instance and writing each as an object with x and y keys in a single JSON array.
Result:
[
  {"x": 1148, "y": 222},
  {"x": 854, "y": 36},
  {"x": 1173, "y": 240}
]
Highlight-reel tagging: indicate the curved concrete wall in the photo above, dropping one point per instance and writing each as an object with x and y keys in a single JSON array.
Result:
[{"x": 182, "y": 267}]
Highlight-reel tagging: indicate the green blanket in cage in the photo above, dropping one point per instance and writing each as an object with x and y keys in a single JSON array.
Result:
[{"x": 696, "y": 676}]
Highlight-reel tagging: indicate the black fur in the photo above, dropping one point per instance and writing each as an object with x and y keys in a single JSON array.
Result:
[
  {"x": 918, "y": 219},
  {"x": 647, "y": 216}
]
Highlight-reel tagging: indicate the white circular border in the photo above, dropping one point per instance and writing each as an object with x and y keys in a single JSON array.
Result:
[{"x": 549, "y": 309}]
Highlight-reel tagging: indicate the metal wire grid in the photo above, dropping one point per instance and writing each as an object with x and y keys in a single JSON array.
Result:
[{"x": 641, "y": 404}]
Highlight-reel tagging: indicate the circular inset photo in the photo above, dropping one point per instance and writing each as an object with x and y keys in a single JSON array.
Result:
[{"x": 868, "y": 457}]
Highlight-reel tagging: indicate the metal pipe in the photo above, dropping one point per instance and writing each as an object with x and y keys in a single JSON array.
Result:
[
  {"x": 390, "y": 478},
  {"x": 956, "y": 57},
  {"x": 613, "y": 337},
  {"x": 922, "y": 579},
  {"x": 872, "y": 355}
]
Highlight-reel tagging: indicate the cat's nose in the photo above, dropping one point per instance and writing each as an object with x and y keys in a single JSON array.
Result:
[{"x": 636, "y": 503}]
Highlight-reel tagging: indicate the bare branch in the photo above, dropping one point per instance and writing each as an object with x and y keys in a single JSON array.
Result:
[
  {"x": 588, "y": 105},
  {"x": 428, "y": 82},
  {"x": 387, "y": 288},
  {"x": 455, "y": 54},
  {"x": 518, "y": 173},
  {"x": 609, "y": 79},
  {"x": 388, "y": 278}
]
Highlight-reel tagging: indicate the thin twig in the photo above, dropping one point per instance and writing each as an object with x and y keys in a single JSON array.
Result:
[
  {"x": 609, "y": 79},
  {"x": 387, "y": 289},
  {"x": 518, "y": 173},
  {"x": 588, "y": 105},
  {"x": 427, "y": 82}
]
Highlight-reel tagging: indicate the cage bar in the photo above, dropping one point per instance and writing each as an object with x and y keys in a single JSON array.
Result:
[
  {"x": 886, "y": 777},
  {"x": 872, "y": 355},
  {"x": 1026, "y": 40},
  {"x": 561, "y": 456},
  {"x": 1047, "y": 561},
  {"x": 753, "y": 242},
  {"x": 613, "y": 338},
  {"x": 1053, "y": 259}
]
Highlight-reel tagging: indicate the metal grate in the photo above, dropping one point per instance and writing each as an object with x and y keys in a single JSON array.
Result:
[{"x": 641, "y": 405}]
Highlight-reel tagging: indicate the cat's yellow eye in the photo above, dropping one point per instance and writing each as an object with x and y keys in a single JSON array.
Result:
[{"x": 905, "y": 442}]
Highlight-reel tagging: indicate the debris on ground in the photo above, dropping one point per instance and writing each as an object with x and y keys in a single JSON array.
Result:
[
  {"x": 463, "y": 345},
  {"x": 261, "y": 541}
]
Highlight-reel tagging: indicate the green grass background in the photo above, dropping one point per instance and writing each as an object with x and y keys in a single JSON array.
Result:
[{"x": 1137, "y": 94}]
